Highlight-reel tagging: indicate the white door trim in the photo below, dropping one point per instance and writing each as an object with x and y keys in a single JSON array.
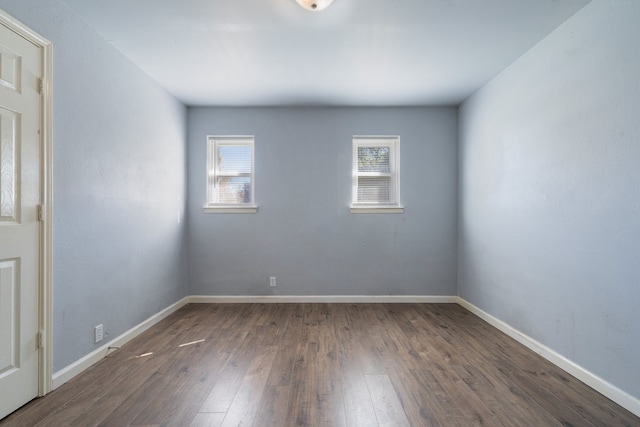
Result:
[{"x": 45, "y": 291}]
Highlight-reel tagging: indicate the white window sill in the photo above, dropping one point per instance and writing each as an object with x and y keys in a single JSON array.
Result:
[
  {"x": 376, "y": 209},
  {"x": 230, "y": 209}
]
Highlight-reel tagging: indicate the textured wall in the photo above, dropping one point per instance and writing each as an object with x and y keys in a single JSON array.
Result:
[
  {"x": 550, "y": 193},
  {"x": 303, "y": 232},
  {"x": 119, "y": 183}
]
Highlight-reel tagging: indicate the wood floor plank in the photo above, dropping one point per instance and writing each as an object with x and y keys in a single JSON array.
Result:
[
  {"x": 328, "y": 347},
  {"x": 327, "y": 375},
  {"x": 332, "y": 404},
  {"x": 303, "y": 410},
  {"x": 358, "y": 406},
  {"x": 209, "y": 419},
  {"x": 274, "y": 405},
  {"x": 245, "y": 403},
  {"x": 423, "y": 405},
  {"x": 323, "y": 365},
  {"x": 416, "y": 400},
  {"x": 387, "y": 406},
  {"x": 225, "y": 389}
]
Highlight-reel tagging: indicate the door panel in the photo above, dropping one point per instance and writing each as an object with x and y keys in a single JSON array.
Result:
[{"x": 20, "y": 169}]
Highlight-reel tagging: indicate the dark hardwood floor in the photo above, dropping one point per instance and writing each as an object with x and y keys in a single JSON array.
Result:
[{"x": 323, "y": 365}]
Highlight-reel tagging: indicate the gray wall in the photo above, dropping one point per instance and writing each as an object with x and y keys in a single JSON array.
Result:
[
  {"x": 550, "y": 193},
  {"x": 119, "y": 184},
  {"x": 303, "y": 232}
]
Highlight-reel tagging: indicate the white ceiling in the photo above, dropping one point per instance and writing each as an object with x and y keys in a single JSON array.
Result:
[{"x": 356, "y": 52}]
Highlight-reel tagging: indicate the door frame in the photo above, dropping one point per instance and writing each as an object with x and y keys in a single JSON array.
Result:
[{"x": 45, "y": 318}]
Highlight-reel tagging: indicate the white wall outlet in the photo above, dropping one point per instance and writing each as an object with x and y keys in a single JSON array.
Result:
[
  {"x": 99, "y": 333},
  {"x": 272, "y": 281}
]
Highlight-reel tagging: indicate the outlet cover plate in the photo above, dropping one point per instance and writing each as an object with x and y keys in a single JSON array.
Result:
[{"x": 99, "y": 333}]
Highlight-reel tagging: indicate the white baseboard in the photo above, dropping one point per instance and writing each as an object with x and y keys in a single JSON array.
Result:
[
  {"x": 67, "y": 373},
  {"x": 603, "y": 387},
  {"x": 362, "y": 299}
]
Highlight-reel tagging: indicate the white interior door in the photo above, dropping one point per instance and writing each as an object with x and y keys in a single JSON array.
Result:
[{"x": 20, "y": 182}]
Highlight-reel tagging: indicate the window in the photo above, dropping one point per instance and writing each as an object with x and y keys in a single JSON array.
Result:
[
  {"x": 230, "y": 178},
  {"x": 376, "y": 174}
]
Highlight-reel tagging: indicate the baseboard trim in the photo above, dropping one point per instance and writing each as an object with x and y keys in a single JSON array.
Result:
[
  {"x": 362, "y": 299},
  {"x": 67, "y": 373},
  {"x": 603, "y": 387}
]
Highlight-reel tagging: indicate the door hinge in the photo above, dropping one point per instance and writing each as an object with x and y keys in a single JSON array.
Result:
[
  {"x": 40, "y": 339},
  {"x": 40, "y": 212},
  {"x": 41, "y": 86}
]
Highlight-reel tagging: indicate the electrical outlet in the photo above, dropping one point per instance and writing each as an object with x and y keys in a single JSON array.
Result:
[
  {"x": 272, "y": 281},
  {"x": 99, "y": 333}
]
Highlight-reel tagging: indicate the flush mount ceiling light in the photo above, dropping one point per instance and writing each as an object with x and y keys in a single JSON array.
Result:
[{"x": 314, "y": 5}]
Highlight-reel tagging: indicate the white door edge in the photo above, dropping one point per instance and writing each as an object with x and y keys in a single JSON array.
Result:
[{"x": 45, "y": 286}]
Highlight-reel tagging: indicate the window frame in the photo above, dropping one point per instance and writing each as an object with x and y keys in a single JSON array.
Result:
[
  {"x": 213, "y": 205},
  {"x": 394, "y": 205}
]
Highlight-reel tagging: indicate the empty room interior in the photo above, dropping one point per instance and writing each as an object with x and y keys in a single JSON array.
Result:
[{"x": 347, "y": 212}]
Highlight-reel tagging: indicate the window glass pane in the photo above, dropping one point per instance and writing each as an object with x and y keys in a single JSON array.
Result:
[
  {"x": 234, "y": 190},
  {"x": 374, "y": 159},
  {"x": 8, "y": 141},
  {"x": 374, "y": 189},
  {"x": 234, "y": 159}
]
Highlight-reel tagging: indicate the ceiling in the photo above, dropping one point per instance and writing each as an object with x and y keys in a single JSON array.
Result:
[{"x": 355, "y": 53}]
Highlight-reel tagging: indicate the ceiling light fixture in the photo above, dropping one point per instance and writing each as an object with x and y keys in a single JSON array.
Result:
[{"x": 314, "y": 5}]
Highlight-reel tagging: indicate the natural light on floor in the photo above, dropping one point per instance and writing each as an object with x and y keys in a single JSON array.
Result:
[
  {"x": 190, "y": 343},
  {"x": 144, "y": 355},
  {"x": 181, "y": 345}
]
